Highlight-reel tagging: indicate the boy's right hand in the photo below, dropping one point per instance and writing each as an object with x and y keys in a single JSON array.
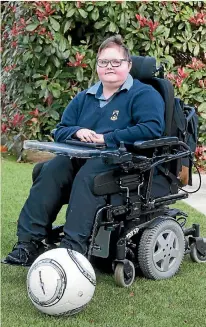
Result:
[{"x": 86, "y": 135}]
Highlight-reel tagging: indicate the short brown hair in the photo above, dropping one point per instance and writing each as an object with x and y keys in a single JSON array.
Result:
[{"x": 115, "y": 40}]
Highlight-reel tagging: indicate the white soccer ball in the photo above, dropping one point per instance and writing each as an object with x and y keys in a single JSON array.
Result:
[{"x": 61, "y": 282}]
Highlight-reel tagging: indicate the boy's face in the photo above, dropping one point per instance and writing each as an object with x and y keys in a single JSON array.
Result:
[{"x": 115, "y": 76}]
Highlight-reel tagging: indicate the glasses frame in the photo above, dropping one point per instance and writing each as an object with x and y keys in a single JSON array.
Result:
[{"x": 110, "y": 61}]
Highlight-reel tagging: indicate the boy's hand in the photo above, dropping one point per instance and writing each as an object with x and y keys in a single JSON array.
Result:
[
  {"x": 99, "y": 138},
  {"x": 86, "y": 135}
]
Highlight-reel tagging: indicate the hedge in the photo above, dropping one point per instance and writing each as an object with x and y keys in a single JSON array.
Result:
[{"x": 49, "y": 54}]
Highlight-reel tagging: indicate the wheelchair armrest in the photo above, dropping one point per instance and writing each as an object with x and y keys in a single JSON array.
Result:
[{"x": 164, "y": 141}]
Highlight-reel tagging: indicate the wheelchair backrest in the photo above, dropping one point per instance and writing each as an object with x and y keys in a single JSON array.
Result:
[
  {"x": 144, "y": 69},
  {"x": 181, "y": 120}
]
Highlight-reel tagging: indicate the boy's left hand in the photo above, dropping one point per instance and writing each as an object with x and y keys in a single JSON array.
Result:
[{"x": 99, "y": 138}]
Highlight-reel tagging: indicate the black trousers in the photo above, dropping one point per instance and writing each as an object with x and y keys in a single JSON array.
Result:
[
  {"x": 66, "y": 181},
  {"x": 63, "y": 180}
]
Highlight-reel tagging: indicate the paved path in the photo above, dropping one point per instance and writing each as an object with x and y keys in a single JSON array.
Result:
[{"x": 198, "y": 199}]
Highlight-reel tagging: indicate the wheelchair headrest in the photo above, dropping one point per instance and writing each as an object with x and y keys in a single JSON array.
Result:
[{"x": 143, "y": 68}]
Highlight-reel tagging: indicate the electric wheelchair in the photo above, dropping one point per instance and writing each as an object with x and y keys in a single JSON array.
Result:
[{"x": 141, "y": 231}]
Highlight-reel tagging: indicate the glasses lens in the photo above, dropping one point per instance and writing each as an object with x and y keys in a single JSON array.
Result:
[
  {"x": 116, "y": 63},
  {"x": 102, "y": 63}
]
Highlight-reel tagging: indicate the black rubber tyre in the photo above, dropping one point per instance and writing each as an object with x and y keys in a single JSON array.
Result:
[
  {"x": 161, "y": 250},
  {"x": 121, "y": 278},
  {"x": 195, "y": 255}
]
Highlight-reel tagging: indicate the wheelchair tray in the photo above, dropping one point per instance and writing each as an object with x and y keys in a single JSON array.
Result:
[{"x": 71, "y": 150}]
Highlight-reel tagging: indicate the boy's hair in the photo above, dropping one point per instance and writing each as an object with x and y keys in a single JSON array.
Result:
[{"x": 114, "y": 40}]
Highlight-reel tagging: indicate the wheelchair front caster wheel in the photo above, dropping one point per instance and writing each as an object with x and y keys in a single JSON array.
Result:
[
  {"x": 195, "y": 254},
  {"x": 124, "y": 274}
]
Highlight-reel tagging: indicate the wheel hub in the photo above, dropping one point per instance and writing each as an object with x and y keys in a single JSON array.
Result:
[{"x": 166, "y": 250}]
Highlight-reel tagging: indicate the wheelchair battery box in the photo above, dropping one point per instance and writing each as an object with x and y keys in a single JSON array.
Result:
[{"x": 111, "y": 182}]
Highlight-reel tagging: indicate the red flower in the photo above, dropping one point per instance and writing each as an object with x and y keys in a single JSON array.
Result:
[
  {"x": 3, "y": 128},
  {"x": 200, "y": 153},
  {"x": 196, "y": 64},
  {"x": 13, "y": 8},
  {"x": 42, "y": 31},
  {"x": 152, "y": 26},
  {"x": 171, "y": 76},
  {"x": 40, "y": 15},
  {"x": 18, "y": 28},
  {"x": 78, "y": 62},
  {"x": 46, "y": 10},
  {"x": 22, "y": 21},
  {"x": 202, "y": 83},
  {"x": 174, "y": 7},
  {"x": 198, "y": 19},
  {"x": 35, "y": 112},
  {"x": 3, "y": 149},
  {"x": 9, "y": 68},
  {"x": 181, "y": 73},
  {"x": 147, "y": 22},
  {"x": 3, "y": 88},
  {"x": 179, "y": 81},
  {"x": 50, "y": 36},
  {"x": 79, "y": 57},
  {"x": 83, "y": 65},
  {"x": 14, "y": 44},
  {"x": 79, "y": 4},
  {"x": 179, "y": 78},
  {"x": 142, "y": 20},
  {"x": 17, "y": 119}
]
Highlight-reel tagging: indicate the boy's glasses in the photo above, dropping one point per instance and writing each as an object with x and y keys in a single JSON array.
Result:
[{"x": 114, "y": 62}]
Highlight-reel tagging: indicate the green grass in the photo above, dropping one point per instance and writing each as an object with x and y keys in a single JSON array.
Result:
[{"x": 177, "y": 302}]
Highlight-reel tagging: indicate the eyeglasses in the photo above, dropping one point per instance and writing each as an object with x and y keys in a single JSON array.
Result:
[{"x": 114, "y": 62}]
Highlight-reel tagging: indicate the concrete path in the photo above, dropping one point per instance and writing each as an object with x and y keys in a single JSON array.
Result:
[{"x": 198, "y": 199}]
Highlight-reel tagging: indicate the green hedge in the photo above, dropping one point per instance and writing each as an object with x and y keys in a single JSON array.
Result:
[{"x": 49, "y": 51}]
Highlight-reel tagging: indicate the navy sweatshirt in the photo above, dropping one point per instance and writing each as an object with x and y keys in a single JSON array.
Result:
[{"x": 132, "y": 115}]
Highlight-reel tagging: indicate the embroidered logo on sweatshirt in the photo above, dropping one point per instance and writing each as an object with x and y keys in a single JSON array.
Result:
[{"x": 115, "y": 115}]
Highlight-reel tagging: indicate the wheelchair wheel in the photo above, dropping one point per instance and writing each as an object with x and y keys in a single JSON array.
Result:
[
  {"x": 124, "y": 274},
  {"x": 195, "y": 255},
  {"x": 161, "y": 250}
]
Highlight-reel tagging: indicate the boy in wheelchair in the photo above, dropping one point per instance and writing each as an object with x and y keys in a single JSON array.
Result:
[{"x": 116, "y": 198}]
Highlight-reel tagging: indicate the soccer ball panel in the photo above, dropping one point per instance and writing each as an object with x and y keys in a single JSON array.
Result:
[{"x": 61, "y": 281}]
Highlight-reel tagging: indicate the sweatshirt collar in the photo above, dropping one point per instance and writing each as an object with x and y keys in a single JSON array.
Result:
[{"x": 97, "y": 89}]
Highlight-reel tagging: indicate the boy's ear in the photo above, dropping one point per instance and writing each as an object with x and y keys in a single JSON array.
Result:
[{"x": 130, "y": 65}]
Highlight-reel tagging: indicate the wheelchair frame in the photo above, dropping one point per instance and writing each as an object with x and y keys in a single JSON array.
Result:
[{"x": 130, "y": 220}]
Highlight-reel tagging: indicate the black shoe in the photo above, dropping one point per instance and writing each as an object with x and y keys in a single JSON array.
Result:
[
  {"x": 65, "y": 244},
  {"x": 25, "y": 253}
]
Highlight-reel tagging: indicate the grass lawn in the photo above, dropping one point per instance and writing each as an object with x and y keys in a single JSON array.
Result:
[{"x": 177, "y": 302}]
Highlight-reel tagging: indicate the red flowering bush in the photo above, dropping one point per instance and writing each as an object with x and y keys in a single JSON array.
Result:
[
  {"x": 200, "y": 155},
  {"x": 49, "y": 52}
]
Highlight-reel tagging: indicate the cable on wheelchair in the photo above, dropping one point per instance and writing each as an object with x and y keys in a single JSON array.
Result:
[
  {"x": 193, "y": 163},
  {"x": 200, "y": 180}
]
